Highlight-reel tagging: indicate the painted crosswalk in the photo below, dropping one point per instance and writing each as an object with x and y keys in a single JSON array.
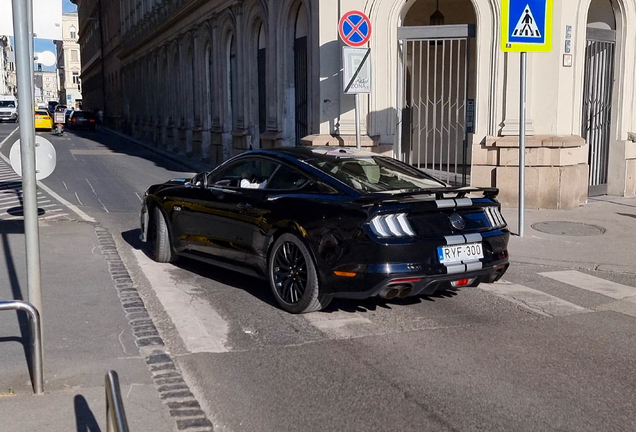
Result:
[
  {"x": 11, "y": 198},
  {"x": 534, "y": 300},
  {"x": 591, "y": 283},
  {"x": 541, "y": 302}
]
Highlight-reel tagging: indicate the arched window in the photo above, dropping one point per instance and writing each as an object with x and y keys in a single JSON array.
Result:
[
  {"x": 73, "y": 32},
  {"x": 232, "y": 84}
]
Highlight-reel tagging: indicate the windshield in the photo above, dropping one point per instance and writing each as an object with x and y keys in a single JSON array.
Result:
[
  {"x": 7, "y": 104},
  {"x": 376, "y": 174}
]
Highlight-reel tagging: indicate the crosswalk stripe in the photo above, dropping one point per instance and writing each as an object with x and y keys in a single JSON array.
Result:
[
  {"x": 534, "y": 300},
  {"x": 592, "y": 283}
]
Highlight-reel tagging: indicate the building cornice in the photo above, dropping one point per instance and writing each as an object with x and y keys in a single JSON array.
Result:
[{"x": 165, "y": 18}]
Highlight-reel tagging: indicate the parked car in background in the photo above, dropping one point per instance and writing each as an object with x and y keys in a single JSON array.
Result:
[
  {"x": 322, "y": 223},
  {"x": 43, "y": 120},
  {"x": 82, "y": 120},
  {"x": 8, "y": 108}
]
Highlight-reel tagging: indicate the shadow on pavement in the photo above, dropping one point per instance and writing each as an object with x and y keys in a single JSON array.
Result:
[
  {"x": 260, "y": 289},
  {"x": 7, "y": 228},
  {"x": 84, "y": 417},
  {"x": 123, "y": 146}
]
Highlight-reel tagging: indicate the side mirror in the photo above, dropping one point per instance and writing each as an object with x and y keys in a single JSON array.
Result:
[{"x": 200, "y": 180}]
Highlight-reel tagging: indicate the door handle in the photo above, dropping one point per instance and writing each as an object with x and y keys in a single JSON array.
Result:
[{"x": 244, "y": 206}]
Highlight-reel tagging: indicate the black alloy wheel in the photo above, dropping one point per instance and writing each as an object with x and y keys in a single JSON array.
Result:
[{"x": 293, "y": 277}]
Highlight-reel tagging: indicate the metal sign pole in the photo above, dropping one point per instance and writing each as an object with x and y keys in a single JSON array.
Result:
[
  {"x": 522, "y": 142},
  {"x": 24, "y": 66},
  {"x": 358, "y": 143},
  {"x": 31, "y": 35}
]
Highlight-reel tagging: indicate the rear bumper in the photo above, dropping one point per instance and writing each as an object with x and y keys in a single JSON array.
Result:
[
  {"x": 368, "y": 269},
  {"x": 408, "y": 285}
]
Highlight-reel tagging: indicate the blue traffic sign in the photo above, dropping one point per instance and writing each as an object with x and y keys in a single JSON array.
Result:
[
  {"x": 355, "y": 28},
  {"x": 526, "y": 25}
]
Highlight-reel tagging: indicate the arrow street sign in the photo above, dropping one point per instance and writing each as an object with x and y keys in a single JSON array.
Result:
[
  {"x": 526, "y": 25},
  {"x": 355, "y": 28}
]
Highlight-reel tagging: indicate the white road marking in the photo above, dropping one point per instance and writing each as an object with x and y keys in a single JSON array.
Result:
[
  {"x": 199, "y": 325},
  {"x": 50, "y": 192},
  {"x": 78, "y": 200},
  {"x": 533, "y": 300},
  {"x": 592, "y": 283},
  {"x": 92, "y": 188},
  {"x": 54, "y": 216},
  {"x": 8, "y": 136},
  {"x": 104, "y": 207}
]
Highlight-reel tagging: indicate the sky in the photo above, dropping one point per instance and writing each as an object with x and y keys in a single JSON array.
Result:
[{"x": 41, "y": 45}]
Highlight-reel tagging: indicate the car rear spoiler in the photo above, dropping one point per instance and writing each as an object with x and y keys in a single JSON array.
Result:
[{"x": 458, "y": 192}]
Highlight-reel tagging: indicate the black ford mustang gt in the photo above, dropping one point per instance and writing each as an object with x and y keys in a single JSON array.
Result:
[{"x": 328, "y": 222}]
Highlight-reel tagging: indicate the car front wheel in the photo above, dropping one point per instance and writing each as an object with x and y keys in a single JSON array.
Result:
[
  {"x": 161, "y": 246},
  {"x": 293, "y": 277}
]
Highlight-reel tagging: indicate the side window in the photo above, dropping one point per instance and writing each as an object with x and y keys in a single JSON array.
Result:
[
  {"x": 287, "y": 178},
  {"x": 249, "y": 173}
]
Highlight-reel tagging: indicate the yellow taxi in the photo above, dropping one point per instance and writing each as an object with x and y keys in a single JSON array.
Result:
[{"x": 43, "y": 120}]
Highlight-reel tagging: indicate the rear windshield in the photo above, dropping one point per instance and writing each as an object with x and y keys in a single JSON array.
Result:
[
  {"x": 44, "y": 113},
  {"x": 376, "y": 174},
  {"x": 7, "y": 104},
  {"x": 83, "y": 114}
]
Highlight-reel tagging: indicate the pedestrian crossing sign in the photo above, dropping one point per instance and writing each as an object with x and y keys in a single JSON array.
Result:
[{"x": 526, "y": 25}]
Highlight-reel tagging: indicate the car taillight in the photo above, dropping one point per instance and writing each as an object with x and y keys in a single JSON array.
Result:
[
  {"x": 494, "y": 217},
  {"x": 391, "y": 225},
  {"x": 462, "y": 282},
  {"x": 73, "y": 120},
  {"x": 91, "y": 120}
]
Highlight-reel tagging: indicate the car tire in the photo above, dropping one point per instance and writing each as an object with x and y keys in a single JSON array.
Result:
[
  {"x": 161, "y": 246},
  {"x": 293, "y": 277}
]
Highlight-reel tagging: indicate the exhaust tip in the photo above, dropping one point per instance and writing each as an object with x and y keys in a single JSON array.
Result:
[
  {"x": 405, "y": 292},
  {"x": 389, "y": 293}
]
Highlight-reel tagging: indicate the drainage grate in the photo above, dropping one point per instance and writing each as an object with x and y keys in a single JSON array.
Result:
[{"x": 576, "y": 229}]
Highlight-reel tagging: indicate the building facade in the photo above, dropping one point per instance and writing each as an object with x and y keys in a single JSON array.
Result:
[
  {"x": 209, "y": 79},
  {"x": 45, "y": 86},
  {"x": 69, "y": 63},
  {"x": 7, "y": 67},
  {"x": 101, "y": 65}
]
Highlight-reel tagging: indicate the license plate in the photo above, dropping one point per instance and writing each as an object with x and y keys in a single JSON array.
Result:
[{"x": 459, "y": 253}]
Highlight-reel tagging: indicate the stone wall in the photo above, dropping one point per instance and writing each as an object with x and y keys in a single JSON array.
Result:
[{"x": 556, "y": 170}]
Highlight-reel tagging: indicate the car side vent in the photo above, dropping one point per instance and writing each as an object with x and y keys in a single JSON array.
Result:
[
  {"x": 391, "y": 225},
  {"x": 494, "y": 217}
]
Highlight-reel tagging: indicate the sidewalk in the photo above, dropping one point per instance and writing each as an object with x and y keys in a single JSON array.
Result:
[
  {"x": 86, "y": 333},
  {"x": 597, "y": 236}
]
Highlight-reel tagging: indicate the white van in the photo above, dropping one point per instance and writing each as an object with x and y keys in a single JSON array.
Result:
[{"x": 8, "y": 108}]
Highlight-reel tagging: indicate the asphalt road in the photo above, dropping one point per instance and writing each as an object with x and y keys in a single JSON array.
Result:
[{"x": 468, "y": 360}]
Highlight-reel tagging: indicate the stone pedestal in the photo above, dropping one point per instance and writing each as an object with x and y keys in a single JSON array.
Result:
[
  {"x": 556, "y": 170},
  {"x": 367, "y": 143}
]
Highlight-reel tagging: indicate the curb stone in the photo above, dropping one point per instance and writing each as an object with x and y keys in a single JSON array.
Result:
[{"x": 174, "y": 392}]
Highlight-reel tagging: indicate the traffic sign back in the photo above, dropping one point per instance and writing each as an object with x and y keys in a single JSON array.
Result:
[
  {"x": 355, "y": 28},
  {"x": 526, "y": 25}
]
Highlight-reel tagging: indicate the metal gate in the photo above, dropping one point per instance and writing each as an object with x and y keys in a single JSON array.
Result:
[
  {"x": 597, "y": 104},
  {"x": 435, "y": 78}
]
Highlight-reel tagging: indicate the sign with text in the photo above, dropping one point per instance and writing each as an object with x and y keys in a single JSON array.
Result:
[
  {"x": 356, "y": 70},
  {"x": 526, "y": 25}
]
